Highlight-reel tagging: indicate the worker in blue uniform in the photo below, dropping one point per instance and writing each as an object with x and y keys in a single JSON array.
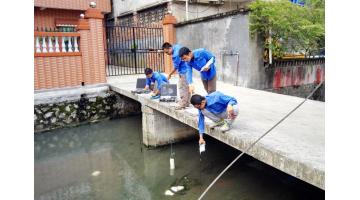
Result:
[
  {"x": 158, "y": 79},
  {"x": 220, "y": 108},
  {"x": 204, "y": 62},
  {"x": 183, "y": 70}
]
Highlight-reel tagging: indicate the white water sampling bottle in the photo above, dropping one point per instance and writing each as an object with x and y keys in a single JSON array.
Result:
[
  {"x": 202, "y": 148},
  {"x": 172, "y": 161}
]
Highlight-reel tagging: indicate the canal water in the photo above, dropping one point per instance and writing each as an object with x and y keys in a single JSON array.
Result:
[{"x": 106, "y": 161}]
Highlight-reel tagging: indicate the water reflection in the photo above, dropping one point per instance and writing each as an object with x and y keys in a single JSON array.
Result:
[{"x": 65, "y": 162}]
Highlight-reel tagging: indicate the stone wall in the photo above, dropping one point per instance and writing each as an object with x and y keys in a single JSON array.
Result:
[{"x": 84, "y": 110}]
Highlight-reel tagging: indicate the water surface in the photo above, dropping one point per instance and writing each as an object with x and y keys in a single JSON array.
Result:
[{"x": 106, "y": 161}]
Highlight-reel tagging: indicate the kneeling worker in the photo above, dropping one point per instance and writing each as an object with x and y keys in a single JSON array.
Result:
[
  {"x": 157, "y": 78},
  {"x": 218, "y": 107}
]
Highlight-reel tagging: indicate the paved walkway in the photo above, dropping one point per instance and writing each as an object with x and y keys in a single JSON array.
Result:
[{"x": 296, "y": 146}]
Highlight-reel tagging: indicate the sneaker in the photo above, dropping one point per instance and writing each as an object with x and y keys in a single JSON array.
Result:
[
  {"x": 155, "y": 97},
  {"x": 225, "y": 127},
  {"x": 219, "y": 123}
]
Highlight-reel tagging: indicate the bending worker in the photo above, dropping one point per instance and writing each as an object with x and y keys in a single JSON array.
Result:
[
  {"x": 183, "y": 69},
  {"x": 218, "y": 107},
  {"x": 157, "y": 78},
  {"x": 203, "y": 61}
]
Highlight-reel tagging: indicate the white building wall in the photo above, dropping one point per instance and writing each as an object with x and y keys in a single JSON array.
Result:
[
  {"x": 202, "y": 10},
  {"x": 196, "y": 10},
  {"x": 121, "y": 7}
]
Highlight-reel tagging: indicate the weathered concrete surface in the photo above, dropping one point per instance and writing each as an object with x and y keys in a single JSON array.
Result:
[
  {"x": 296, "y": 146},
  {"x": 159, "y": 129},
  {"x": 46, "y": 96}
]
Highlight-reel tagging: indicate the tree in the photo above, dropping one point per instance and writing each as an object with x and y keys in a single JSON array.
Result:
[{"x": 293, "y": 28}]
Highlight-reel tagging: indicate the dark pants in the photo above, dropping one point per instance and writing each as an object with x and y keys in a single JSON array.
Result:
[{"x": 210, "y": 85}]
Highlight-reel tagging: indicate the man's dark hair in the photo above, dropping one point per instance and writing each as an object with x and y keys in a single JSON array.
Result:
[
  {"x": 184, "y": 51},
  {"x": 148, "y": 71},
  {"x": 196, "y": 99},
  {"x": 166, "y": 45}
]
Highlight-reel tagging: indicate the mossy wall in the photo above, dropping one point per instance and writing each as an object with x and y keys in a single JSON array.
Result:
[{"x": 84, "y": 110}]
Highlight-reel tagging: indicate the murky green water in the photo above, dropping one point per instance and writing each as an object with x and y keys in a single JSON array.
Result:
[{"x": 104, "y": 161}]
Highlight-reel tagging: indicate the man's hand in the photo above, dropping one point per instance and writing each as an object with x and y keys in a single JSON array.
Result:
[
  {"x": 201, "y": 140},
  {"x": 191, "y": 89},
  {"x": 230, "y": 111},
  {"x": 171, "y": 73},
  {"x": 205, "y": 68},
  {"x": 154, "y": 93}
]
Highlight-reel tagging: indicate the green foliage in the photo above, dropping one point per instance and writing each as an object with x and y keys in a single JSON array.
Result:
[{"x": 293, "y": 28}]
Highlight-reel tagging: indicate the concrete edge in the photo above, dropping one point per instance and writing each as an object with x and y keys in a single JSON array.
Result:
[{"x": 69, "y": 94}]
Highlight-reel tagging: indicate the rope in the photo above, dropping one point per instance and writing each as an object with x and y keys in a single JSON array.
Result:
[{"x": 246, "y": 150}]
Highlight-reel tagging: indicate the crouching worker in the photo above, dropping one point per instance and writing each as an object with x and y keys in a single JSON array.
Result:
[
  {"x": 218, "y": 107},
  {"x": 158, "y": 79}
]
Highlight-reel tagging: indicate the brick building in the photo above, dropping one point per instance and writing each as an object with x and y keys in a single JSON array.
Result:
[{"x": 69, "y": 43}]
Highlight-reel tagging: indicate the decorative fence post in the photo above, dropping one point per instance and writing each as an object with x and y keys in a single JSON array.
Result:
[
  {"x": 75, "y": 45},
  {"x": 37, "y": 45},
  {"x": 63, "y": 47},
  {"x": 57, "y": 44},
  {"x": 43, "y": 45},
  {"x": 51, "y": 48},
  {"x": 69, "y": 45}
]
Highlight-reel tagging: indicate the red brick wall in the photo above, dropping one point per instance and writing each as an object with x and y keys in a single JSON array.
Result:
[
  {"x": 46, "y": 18},
  {"x": 64, "y": 69},
  {"x": 57, "y": 72}
]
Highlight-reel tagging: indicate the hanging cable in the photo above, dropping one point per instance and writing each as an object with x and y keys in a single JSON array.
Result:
[{"x": 246, "y": 150}]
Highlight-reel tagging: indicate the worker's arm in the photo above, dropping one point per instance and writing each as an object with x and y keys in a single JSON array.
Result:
[
  {"x": 171, "y": 73},
  {"x": 148, "y": 83},
  {"x": 201, "y": 126},
  {"x": 189, "y": 78},
  {"x": 206, "y": 67},
  {"x": 155, "y": 92},
  {"x": 230, "y": 101}
]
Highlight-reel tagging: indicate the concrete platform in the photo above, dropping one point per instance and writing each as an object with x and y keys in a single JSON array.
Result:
[{"x": 296, "y": 146}]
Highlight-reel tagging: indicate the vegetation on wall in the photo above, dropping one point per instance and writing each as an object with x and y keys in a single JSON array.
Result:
[{"x": 293, "y": 28}]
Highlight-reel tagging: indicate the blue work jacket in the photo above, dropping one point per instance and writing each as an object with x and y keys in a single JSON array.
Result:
[
  {"x": 159, "y": 78},
  {"x": 182, "y": 67},
  {"x": 201, "y": 57},
  {"x": 216, "y": 103}
]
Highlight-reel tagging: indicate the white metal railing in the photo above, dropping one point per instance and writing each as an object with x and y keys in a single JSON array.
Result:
[{"x": 56, "y": 42}]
